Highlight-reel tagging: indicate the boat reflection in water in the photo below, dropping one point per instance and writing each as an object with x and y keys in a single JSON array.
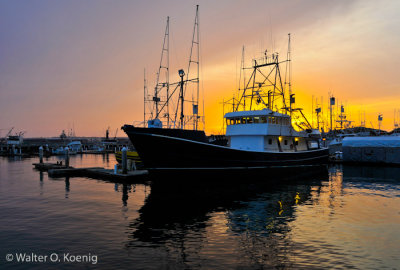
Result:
[
  {"x": 198, "y": 222},
  {"x": 318, "y": 219},
  {"x": 338, "y": 217}
]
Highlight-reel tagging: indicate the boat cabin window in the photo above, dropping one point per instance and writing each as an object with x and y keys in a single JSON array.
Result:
[
  {"x": 259, "y": 120},
  {"x": 313, "y": 145},
  {"x": 269, "y": 141}
]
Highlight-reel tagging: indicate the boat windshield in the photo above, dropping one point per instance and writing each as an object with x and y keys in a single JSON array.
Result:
[{"x": 275, "y": 120}]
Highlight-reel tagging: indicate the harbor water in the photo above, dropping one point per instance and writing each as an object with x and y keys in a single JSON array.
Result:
[{"x": 342, "y": 217}]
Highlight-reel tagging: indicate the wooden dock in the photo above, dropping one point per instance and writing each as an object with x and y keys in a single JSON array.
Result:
[
  {"x": 57, "y": 170},
  {"x": 49, "y": 166}
]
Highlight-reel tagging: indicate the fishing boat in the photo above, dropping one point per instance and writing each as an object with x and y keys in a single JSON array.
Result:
[
  {"x": 259, "y": 134},
  {"x": 257, "y": 139},
  {"x": 108, "y": 144}
]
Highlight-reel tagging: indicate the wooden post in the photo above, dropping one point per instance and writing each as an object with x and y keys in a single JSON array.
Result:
[
  {"x": 133, "y": 165},
  {"x": 66, "y": 157},
  {"x": 124, "y": 160},
  {"x": 41, "y": 154}
]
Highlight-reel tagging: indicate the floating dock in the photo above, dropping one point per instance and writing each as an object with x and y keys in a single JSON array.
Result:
[
  {"x": 57, "y": 170},
  {"x": 49, "y": 166}
]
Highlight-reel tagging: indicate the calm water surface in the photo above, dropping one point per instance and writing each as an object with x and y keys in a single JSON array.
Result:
[{"x": 343, "y": 218}]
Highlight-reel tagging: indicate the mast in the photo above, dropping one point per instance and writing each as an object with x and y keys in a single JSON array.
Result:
[
  {"x": 289, "y": 73},
  {"x": 195, "y": 59},
  {"x": 161, "y": 99},
  {"x": 181, "y": 97},
  {"x": 242, "y": 69},
  {"x": 312, "y": 111},
  {"x": 163, "y": 68},
  {"x": 331, "y": 104},
  {"x": 167, "y": 69},
  {"x": 265, "y": 82},
  {"x": 144, "y": 97},
  {"x": 266, "y": 86},
  {"x": 380, "y": 118}
]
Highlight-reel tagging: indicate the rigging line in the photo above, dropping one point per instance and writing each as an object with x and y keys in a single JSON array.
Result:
[
  {"x": 201, "y": 67},
  {"x": 194, "y": 36},
  {"x": 243, "y": 97},
  {"x": 267, "y": 77},
  {"x": 168, "y": 99},
  {"x": 240, "y": 73},
  {"x": 163, "y": 50}
]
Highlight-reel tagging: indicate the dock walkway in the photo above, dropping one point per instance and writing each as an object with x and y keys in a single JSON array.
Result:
[{"x": 57, "y": 170}]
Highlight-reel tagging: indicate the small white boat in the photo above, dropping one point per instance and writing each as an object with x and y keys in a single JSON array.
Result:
[{"x": 75, "y": 146}]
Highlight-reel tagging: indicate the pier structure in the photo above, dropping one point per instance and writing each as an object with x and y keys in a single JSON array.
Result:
[{"x": 89, "y": 145}]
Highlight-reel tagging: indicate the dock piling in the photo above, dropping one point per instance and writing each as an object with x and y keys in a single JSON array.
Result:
[
  {"x": 124, "y": 160},
  {"x": 41, "y": 154},
  {"x": 133, "y": 165},
  {"x": 66, "y": 157}
]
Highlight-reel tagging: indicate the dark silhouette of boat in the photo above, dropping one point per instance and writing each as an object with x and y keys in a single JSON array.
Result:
[{"x": 259, "y": 134}]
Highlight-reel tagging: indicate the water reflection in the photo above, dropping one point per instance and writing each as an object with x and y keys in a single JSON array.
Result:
[
  {"x": 41, "y": 182},
  {"x": 125, "y": 194},
  {"x": 67, "y": 187},
  {"x": 370, "y": 173},
  {"x": 347, "y": 218},
  {"x": 181, "y": 215},
  {"x": 127, "y": 190}
]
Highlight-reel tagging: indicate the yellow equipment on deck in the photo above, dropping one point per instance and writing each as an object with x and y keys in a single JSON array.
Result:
[{"x": 132, "y": 155}]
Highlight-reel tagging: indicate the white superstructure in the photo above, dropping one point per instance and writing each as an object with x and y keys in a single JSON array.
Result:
[{"x": 265, "y": 130}]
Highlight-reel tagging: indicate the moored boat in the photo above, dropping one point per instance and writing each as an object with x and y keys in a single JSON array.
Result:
[
  {"x": 159, "y": 151},
  {"x": 259, "y": 133},
  {"x": 130, "y": 154}
]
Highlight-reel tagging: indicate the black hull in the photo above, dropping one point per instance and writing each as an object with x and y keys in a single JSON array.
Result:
[{"x": 158, "y": 150}]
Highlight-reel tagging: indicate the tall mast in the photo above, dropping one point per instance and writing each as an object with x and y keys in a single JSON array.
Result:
[
  {"x": 312, "y": 112},
  {"x": 268, "y": 84},
  {"x": 182, "y": 97},
  {"x": 331, "y": 104},
  {"x": 244, "y": 77},
  {"x": 164, "y": 67},
  {"x": 289, "y": 74},
  {"x": 196, "y": 60},
  {"x": 144, "y": 96},
  {"x": 167, "y": 69}
]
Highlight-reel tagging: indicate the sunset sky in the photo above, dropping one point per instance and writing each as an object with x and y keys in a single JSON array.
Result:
[{"x": 80, "y": 63}]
